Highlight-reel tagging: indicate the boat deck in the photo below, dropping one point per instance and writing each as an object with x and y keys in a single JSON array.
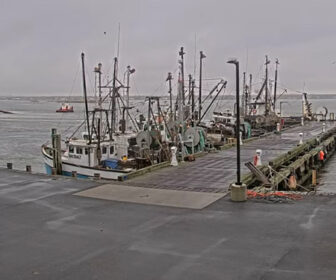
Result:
[{"x": 216, "y": 171}]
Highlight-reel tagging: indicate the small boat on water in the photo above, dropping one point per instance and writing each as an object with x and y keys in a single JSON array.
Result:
[{"x": 65, "y": 108}]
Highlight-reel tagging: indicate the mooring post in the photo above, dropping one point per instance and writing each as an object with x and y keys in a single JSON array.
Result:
[
  {"x": 9, "y": 165},
  {"x": 173, "y": 154},
  {"x": 301, "y": 138},
  {"x": 314, "y": 175},
  {"x": 96, "y": 176},
  {"x": 257, "y": 158},
  {"x": 302, "y": 121},
  {"x": 28, "y": 168},
  {"x": 56, "y": 148}
]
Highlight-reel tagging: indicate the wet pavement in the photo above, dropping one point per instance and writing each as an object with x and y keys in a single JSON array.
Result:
[
  {"x": 48, "y": 233},
  {"x": 216, "y": 171}
]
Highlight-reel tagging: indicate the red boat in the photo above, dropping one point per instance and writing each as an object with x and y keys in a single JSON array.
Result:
[{"x": 65, "y": 108}]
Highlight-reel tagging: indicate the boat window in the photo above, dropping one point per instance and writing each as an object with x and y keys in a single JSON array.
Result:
[
  {"x": 104, "y": 150},
  {"x": 71, "y": 149},
  {"x": 111, "y": 150},
  {"x": 86, "y": 151},
  {"x": 79, "y": 150}
]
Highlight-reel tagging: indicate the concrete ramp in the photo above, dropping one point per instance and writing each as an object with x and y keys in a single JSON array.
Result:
[{"x": 161, "y": 197}]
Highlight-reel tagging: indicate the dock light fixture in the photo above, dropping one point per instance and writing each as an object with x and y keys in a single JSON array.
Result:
[{"x": 238, "y": 190}]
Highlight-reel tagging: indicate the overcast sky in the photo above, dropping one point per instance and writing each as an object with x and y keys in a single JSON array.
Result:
[{"x": 41, "y": 41}]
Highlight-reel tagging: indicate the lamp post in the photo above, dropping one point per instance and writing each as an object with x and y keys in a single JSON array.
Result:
[{"x": 238, "y": 190}]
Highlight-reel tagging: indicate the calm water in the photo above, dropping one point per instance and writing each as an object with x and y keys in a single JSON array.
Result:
[{"x": 23, "y": 133}]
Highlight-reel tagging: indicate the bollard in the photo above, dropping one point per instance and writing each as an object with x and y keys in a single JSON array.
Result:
[
  {"x": 301, "y": 138},
  {"x": 314, "y": 176},
  {"x": 302, "y": 121},
  {"x": 238, "y": 193},
  {"x": 323, "y": 127},
  {"x": 173, "y": 156},
  {"x": 9, "y": 165},
  {"x": 278, "y": 127},
  {"x": 53, "y": 171},
  {"x": 257, "y": 158},
  {"x": 74, "y": 174},
  {"x": 28, "y": 168},
  {"x": 96, "y": 176},
  {"x": 240, "y": 138}
]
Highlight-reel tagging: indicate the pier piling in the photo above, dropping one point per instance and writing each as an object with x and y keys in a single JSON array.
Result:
[
  {"x": 56, "y": 147},
  {"x": 9, "y": 165},
  {"x": 28, "y": 168}
]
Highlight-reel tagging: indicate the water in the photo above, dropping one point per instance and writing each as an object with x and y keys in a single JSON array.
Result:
[{"x": 23, "y": 133}]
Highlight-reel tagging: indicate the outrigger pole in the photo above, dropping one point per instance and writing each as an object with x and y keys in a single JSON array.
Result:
[{"x": 85, "y": 99}]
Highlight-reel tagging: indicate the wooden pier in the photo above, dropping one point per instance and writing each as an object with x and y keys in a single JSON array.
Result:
[{"x": 216, "y": 171}]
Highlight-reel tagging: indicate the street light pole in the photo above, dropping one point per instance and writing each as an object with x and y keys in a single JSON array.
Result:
[
  {"x": 238, "y": 190},
  {"x": 236, "y": 63}
]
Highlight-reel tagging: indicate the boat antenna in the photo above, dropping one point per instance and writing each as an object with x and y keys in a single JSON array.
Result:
[
  {"x": 118, "y": 46},
  {"x": 85, "y": 99}
]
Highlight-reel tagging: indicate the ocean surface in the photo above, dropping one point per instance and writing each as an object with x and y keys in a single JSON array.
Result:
[{"x": 23, "y": 132}]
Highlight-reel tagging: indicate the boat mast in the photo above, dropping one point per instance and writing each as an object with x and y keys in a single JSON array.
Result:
[
  {"x": 169, "y": 79},
  {"x": 266, "y": 86},
  {"x": 182, "y": 53},
  {"x": 114, "y": 92},
  {"x": 193, "y": 98},
  {"x": 200, "y": 87},
  {"x": 275, "y": 81},
  {"x": 243, "y": 100},
  {"x": 85, "y": 99}
]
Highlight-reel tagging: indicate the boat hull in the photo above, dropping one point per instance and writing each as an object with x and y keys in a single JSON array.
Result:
[{"x": 82, "y": 171}]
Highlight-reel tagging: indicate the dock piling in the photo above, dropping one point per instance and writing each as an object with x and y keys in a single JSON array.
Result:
[
  {"x": 57, "y": 154},
  {"x": 96, "y": 176},
  {"x": 28, "y": 168},
  {"x": 9, "y": 165},
  {"x": 74, "y": 174}
]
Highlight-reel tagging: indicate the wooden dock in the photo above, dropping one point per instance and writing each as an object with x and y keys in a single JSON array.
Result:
[{"x": 216, "y": 171}]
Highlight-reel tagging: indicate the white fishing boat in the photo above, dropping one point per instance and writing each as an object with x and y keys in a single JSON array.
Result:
[{"x": 103, "y": 148}]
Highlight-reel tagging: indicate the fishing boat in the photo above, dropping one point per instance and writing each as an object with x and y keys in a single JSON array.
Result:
[
  {"x": 102, "y": 148},
  {"x": 65, "y": 108}
]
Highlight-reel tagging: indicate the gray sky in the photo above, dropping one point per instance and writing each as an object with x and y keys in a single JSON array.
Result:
[{"x": 41, "y": 41}]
